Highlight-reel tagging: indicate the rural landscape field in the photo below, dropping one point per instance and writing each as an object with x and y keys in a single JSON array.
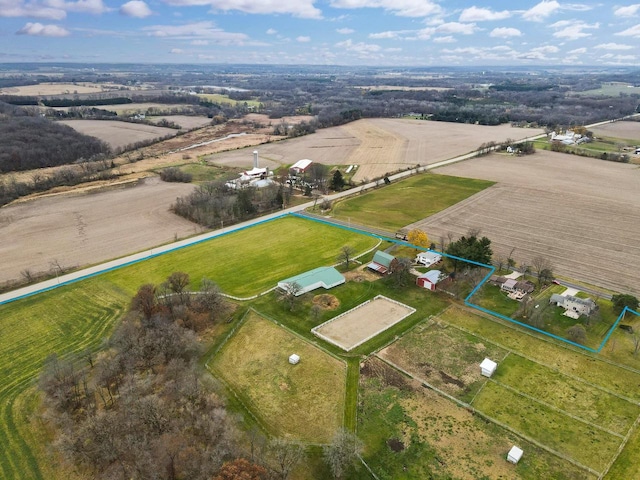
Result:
[{"x": 166, "y": 241}]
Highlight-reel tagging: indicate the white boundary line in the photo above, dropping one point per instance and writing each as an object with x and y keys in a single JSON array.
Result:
[{"x": 315, "y": 329}]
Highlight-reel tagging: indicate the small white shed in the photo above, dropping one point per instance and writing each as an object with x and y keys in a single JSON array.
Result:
[
  {"x": 514, "y": 455},
  {"x": 294, "y": 359},
  {"x": 488, "y": 367}
]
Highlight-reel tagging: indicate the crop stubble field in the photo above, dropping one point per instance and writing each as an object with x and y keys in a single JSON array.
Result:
[
  {"x": 89, "y": 228},
  {"x": 119, "y": 134},
  {"x": 582, "y": 214},
  {"x": 379, "y": 146}
]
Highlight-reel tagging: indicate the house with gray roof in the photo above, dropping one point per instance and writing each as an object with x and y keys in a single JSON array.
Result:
[{"x": 574, "y": 306}]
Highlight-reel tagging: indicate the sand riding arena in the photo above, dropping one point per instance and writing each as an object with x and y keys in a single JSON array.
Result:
[{"x": 360, "y": 324}]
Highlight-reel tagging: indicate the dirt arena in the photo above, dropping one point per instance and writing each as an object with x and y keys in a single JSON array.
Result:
[
  {"x": 582, "y": 214},
  {"x": 118, "y": 134},
  {"x": 363, "y": 322},
  {"x": 84, "y": 229},
  {"x": 379, "y": 146}
]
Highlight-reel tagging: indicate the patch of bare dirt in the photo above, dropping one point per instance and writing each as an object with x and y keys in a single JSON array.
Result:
[
  {"x": 85, "y": 228},
  {"x": 361, "y": 274},
  {"x": 326, "y": 301}
]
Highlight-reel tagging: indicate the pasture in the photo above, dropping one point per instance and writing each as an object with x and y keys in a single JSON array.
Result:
[
  {"x": 119, "y": 134},
  {"x": 220, "y": 98},
  {"x": 411, "y": 432},
  {"x": 580, "y": 213},
  {"x": 46, "y": 89},
  {"x": 407, "y": 201},
  {"x": 563, "y": 411},
  {"x": 302, "y": 402},
  {"x": 78, "y": 316},
  {"x": 186, "y": 122}
]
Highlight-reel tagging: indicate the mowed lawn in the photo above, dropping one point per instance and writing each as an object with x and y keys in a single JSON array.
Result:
[
  {"x": 78, "y": 316},
  {"x": 407, "y": 201},
  {"x": 302, "y": 402},
  {"x": 70, "y": 319},
  {"x": 250, "y": 261}
]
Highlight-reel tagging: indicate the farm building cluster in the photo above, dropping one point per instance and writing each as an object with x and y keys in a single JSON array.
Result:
[
  {"x": 574, "y": 306},
  {"x": 515, "y": 289}
]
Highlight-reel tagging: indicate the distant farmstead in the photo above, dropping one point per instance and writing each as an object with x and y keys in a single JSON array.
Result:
[{"x": 325, "y": 277}]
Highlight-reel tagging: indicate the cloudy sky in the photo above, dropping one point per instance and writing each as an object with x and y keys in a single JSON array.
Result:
[{"x": 342, "y": 32}]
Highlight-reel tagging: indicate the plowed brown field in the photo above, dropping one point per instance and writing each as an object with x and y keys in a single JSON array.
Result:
[{"x": 583, "y": 214}]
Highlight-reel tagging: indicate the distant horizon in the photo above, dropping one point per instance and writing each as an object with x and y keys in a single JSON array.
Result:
[{"x": 321, "y": 32}]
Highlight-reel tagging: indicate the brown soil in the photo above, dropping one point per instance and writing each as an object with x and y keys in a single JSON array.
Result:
[
  {"x": 625, "y": 130},
  {"x": 118, "y": 134},
  {"x": 580, "y": 213},
  {"x": 326, "y": 301},
  {"x": 86, "y": 228},
  {"x": 361, "y": 274}
]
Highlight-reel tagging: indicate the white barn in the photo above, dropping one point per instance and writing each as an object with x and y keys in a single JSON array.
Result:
[{"x": 428, "y": 258}]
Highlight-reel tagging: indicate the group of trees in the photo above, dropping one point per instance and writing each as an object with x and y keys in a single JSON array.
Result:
[{"x": 214, "y": 204}]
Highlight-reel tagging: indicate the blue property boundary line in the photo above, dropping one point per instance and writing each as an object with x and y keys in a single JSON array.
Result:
[
  {"x": 467, "y": 301},
  {"x": 141, "y": 259}
]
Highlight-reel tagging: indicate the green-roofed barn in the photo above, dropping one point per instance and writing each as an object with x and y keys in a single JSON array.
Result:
[
  {"x": 381, "y": 262},
  {"x": 325, "y": 277}
]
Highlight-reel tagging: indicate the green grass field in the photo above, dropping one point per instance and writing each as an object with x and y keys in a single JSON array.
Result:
[
  {"x": 610, "y": 91},
  {"x": 304, "y": 401},
  {"x": 439, "y": 440},
  {"x": 580, "y": 441},
  {"x": 564, "y": 359},
  {"x": 407, "y": 201},
  {"x": 219, "y": 98},
  {"x": 77, "y": 316}
]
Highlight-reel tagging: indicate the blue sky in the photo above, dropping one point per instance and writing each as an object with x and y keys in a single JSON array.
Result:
[{"x": 340, "y": 32}]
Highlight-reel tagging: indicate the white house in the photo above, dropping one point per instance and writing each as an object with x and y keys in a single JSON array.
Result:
[
  {"x": 428, "y": 258},
  {"x": 574, "y": 306}
]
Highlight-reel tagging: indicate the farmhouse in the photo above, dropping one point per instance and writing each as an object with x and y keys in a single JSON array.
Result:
[
  {"x": 574, "y": 306},
  {"x": 429, "y": 280},
  {"x": 381, "y": 262},
  {"x": 428, "y": 258},
  {"x": 325, "y": 277}
]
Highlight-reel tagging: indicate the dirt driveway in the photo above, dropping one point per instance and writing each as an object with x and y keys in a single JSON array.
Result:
[{"x": 82, "y": 229}]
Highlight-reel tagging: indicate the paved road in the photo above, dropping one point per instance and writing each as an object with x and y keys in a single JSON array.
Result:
[{"x": 153, "y": 252}]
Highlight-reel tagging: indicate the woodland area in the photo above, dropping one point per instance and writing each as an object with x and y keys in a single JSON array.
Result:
[{"x": 141, "y": 408}]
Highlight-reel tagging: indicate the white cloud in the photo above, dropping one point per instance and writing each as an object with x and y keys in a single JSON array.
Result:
[
  {"x": 541, "y": 11},
  {"x": 572, "y": 30},
  {"x": 359, "y": 47},
  {"x": 39, "y": 30},
  {"x": 505, "y": 32},
  {"x": 578, "y": 51},
  {"x": 271, "y": 31},
  {"x": 476, "y": 14},
  {"x": 628, "y": 11},
  {"x": 200, "y": 42},
  {"x": 402, "y": 8},
  {"x": 82, "y": 6},
  {"x": 455, "y": 27},
  {"x": 176, "y": 51},
  {"x": 303, "y": 39},
  {"x": 384, "y": 35},
  {"x": 198, "y": 30},
  {"x": 136, "y": 8},
  {"x": 447, "y": 39},
  {"x": 613, "y": 46},
  {"x": 630, "y": 32},
  {"x": 298, "y": 8},
  {"x": 13, "y": 8},
  {"x": 345, "y": 31}
]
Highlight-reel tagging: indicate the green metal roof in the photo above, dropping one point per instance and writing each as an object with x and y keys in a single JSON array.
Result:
[
  {"x": 383, "y": 258},
  {"x": 326, "y": 277}
]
